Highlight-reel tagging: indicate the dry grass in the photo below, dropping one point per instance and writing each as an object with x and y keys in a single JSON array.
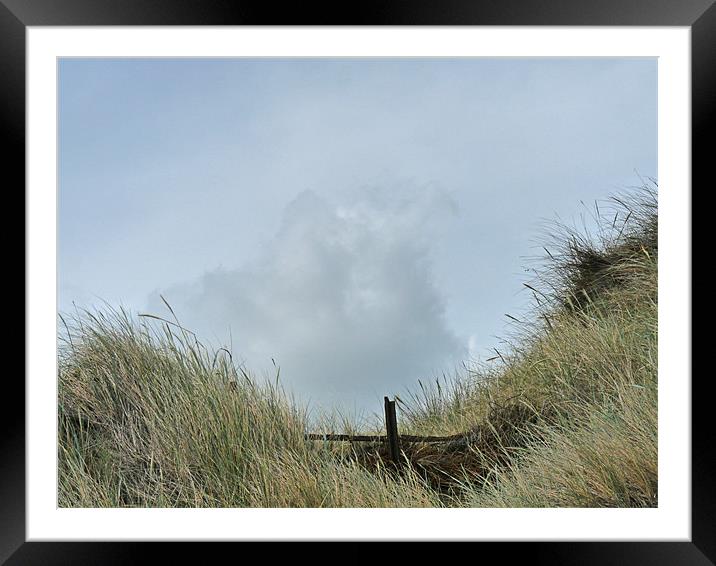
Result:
[{"x": 605, "y": 458}]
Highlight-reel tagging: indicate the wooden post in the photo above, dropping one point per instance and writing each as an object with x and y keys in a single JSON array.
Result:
[{"x": 391, "y": 429}]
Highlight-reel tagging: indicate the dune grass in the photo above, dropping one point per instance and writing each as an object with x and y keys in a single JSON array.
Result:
[{"x": 564, "y": 417}]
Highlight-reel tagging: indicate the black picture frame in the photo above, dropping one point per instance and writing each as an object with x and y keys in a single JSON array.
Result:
[{"x": 17, "y": 15}]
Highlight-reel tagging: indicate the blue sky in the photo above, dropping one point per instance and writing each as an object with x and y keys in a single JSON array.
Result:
[{"x": 364, "y": 222}]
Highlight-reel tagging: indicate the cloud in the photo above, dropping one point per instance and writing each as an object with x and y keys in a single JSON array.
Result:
[{"x": 342, "y": 297}]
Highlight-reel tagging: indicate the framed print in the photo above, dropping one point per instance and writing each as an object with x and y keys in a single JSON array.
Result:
[{"x": 267, "y": 255}]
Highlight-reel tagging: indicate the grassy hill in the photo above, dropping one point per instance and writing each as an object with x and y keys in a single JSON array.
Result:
[{"x": 567, "y": 416}]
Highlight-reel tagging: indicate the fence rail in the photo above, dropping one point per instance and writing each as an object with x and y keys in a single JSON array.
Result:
[
  {"x": 392, "y": 437},
  {"x": 382, "y": 438}
]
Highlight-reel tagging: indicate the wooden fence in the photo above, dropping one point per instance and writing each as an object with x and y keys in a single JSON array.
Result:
[{"x": 392, "y": 436}]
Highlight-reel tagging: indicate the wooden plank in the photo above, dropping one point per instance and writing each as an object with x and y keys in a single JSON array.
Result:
[
  {"x": 381, "y": 438},
  {"x": 391, "y": 429},
  {"x": 346, "y": 437}
]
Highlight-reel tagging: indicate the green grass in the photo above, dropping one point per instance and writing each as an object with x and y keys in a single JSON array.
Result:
[{"x": 565, "y": 417}]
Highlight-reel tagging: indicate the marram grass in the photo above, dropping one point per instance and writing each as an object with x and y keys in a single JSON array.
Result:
[{"x": 566, "y": 417}]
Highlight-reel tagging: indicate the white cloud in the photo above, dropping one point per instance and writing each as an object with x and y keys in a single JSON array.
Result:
[{"x": 342, "y": 298}]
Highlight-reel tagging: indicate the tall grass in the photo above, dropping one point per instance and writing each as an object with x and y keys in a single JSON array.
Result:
[{"x": 150, "y": 417}]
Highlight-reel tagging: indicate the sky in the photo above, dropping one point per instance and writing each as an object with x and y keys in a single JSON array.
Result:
[{"x": 361, "y": 223}]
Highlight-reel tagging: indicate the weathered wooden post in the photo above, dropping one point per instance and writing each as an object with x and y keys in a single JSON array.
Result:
[{"x": 391, "y": 429}]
